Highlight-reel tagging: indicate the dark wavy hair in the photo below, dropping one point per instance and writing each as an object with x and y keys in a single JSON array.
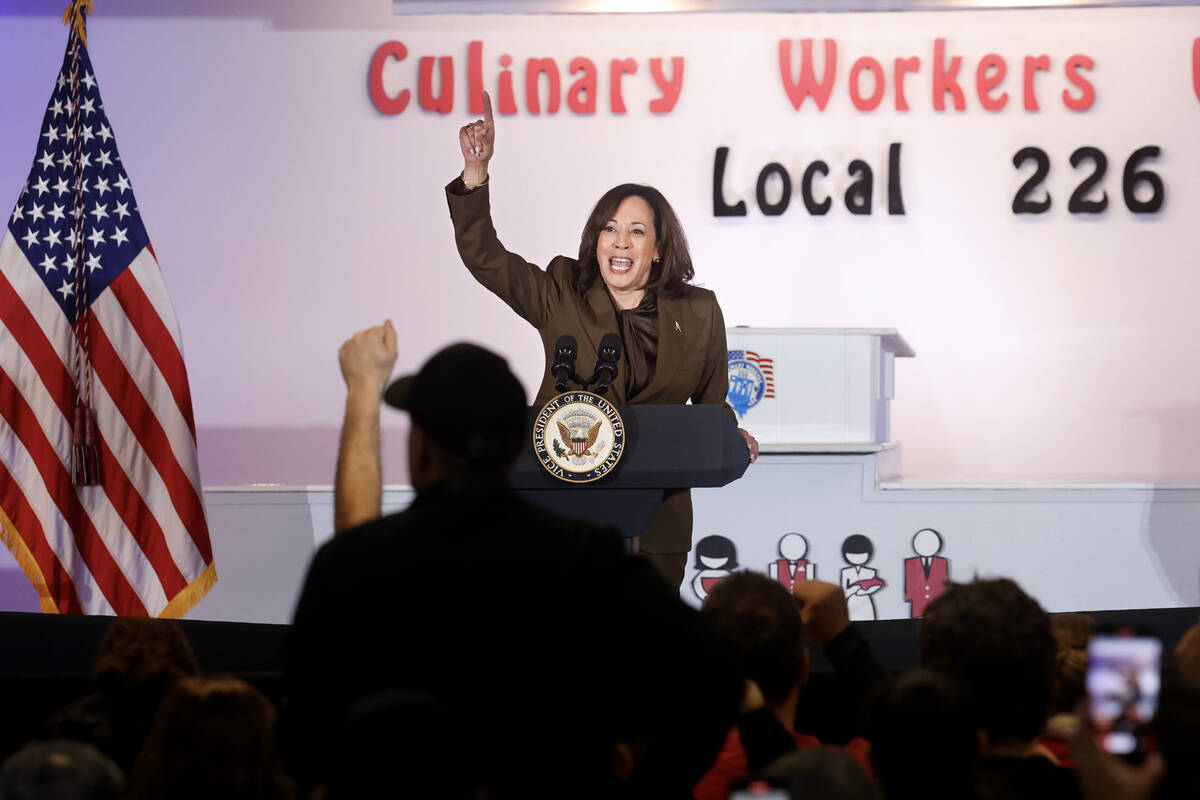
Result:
[
  {"x": 997, "y": 641},
  {"x": 213, "y": 737},
  {"x": 763, "y": 619},
  {"x": 671, "y": 273}
]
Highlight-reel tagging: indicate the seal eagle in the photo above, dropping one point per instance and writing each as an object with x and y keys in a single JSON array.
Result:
[{"x": 579, "y": 441}]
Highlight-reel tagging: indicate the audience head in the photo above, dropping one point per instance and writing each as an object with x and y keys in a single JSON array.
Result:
[
  {"x": 213, "y": 737},
  {"x": 1071, "y": 633},
  {"x": 59, "y": 769},
  {"x": 762, "y": 618},
  {"x": 454, "y": 430},
  {"x": 138, "y": 661},
  {"x": 997, "y": 641},
  {"x": 923, "y": 740},
  {"x": 822, "y": 773},
  {"x": 144, "y": 656}
]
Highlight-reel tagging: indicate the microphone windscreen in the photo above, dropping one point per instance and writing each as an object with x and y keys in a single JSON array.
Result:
[
  {"x": 611, "y": 341},
  {"x": 567, "y": 346}
]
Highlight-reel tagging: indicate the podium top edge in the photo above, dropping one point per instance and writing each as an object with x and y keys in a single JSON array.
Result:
[
  {"x": 818, "y": 448},
  {"x": 893, "y": 342}
]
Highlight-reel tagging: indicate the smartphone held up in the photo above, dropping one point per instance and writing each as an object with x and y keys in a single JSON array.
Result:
[{"x": 1123, "y": 681}]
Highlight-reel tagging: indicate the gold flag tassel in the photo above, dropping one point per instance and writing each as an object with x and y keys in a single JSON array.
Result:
[{"x": 74, "y": 16}]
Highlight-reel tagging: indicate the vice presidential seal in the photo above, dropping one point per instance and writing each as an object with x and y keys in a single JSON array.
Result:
[{"x": 578, "y": 437}]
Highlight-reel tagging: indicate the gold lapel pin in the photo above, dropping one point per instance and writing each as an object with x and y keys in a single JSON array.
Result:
[{"x": 677, "y": 328}]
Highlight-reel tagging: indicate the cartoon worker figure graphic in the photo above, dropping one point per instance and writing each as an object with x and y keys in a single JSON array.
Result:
[
  {"x": 716, "y": 557},
  {"x": 859, "y": 581},
  {"x": 792, "y": 566},
  {"x": 925, "y": 575}
]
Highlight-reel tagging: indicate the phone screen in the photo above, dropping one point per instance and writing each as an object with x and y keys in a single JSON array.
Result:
[{"x": 1123, "y": 682}]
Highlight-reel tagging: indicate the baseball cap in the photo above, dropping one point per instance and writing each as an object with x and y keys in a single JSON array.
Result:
[{"x": 466, "y": 399}]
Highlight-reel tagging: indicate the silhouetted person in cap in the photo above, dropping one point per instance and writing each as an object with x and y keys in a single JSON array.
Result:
[
  {"x": 567, "y": 667},
  {"x": 466, "y": 407}
]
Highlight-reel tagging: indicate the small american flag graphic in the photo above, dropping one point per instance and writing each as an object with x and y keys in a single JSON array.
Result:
[{"x": 767, "y": 367}]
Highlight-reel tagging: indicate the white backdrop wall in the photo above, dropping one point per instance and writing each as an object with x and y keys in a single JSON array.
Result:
[{"x": 287, "y": 211}]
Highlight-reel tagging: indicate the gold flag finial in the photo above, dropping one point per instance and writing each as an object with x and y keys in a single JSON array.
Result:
[{"x": 74, "y": 16}]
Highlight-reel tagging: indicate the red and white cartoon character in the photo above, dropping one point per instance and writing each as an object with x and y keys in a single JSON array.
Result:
[
  {"x": 925, "y": 575},
  {"x": 792, "y": 566},
  {"x": 859, "y": 581},
  {"x": 716, "y": 557}
]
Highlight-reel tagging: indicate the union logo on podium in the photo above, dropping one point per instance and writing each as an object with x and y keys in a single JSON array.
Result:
[
  {"x": 578, "y": 437},
  {"x": 751, "y": 380}
]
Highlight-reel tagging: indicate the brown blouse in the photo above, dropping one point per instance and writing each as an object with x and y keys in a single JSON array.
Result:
[{"x": 639, "y": 336}]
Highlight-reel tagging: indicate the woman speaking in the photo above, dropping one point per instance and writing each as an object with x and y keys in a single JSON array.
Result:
[{"x": 632, "y": 277}]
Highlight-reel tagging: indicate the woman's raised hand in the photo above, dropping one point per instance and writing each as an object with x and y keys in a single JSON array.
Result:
[{"x": 478, "y": 142}]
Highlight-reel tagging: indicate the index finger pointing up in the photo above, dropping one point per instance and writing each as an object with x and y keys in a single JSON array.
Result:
[{"x": 487, "y": 109}]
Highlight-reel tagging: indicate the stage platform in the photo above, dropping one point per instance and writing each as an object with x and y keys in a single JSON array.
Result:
[{"x": 1073, "y": 546}]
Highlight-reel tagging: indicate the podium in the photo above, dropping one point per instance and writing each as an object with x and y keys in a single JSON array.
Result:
[
  {"x": 666, "y": 447},
  {"x": 821, "y": 390}
]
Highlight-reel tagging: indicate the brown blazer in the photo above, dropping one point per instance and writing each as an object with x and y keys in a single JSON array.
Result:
[{"x": 692, "y": 362}]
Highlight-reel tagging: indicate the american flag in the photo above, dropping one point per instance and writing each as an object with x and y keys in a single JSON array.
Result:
[
  {"x": 137, "y": 543},
  {"x": 767, "y": 367}
]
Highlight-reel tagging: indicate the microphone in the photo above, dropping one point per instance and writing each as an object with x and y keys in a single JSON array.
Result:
[
  {"x": 563, "y": 365},
  {"x": 606, "y": 362}
]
